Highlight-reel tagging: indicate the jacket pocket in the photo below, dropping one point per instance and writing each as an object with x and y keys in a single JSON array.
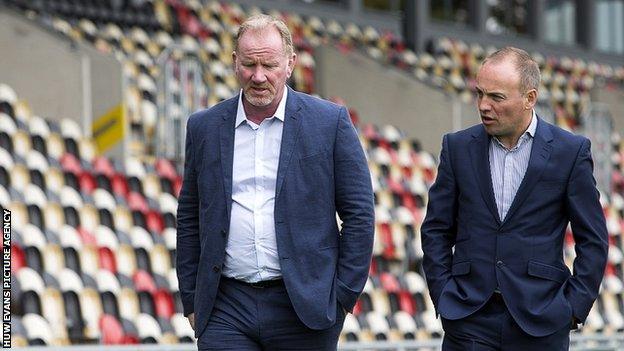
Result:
[
  {"x": 546, "y": 271},
  {"x": 460, "y": 268}
]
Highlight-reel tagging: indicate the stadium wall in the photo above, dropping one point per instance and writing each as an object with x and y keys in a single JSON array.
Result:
[
  {"x": 59, "y": 78},
  {"x": 612, "y": 98},
  {"x": 385, "y": 95}
]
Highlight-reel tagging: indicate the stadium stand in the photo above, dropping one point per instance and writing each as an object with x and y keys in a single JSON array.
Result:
[{"x": 94, "y": 239}]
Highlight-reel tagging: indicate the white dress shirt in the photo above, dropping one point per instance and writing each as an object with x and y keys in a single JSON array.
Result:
[
  {"x": 508, "y": 167},
  {"x": 251, "y": 250}
]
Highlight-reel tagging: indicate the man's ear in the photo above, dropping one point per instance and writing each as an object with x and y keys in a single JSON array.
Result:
[
  {"x": 292, "y": 61},
  {"x": 530, "y": 99},
  {"x": 234, "y": 60}
]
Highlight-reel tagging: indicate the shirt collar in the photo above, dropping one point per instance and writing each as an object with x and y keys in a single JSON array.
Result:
[
  {"x": 528, "y": 133},
  {"x": 279, "y": 113},
  {"x": 533, "y": 126}
]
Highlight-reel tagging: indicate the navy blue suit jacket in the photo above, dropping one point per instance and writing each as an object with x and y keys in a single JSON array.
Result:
[
  {"x": 522, "y": 255},
  {"x": 322, "y": 170}
]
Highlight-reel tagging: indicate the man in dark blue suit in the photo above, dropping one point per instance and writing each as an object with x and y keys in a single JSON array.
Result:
[
  {"x": 497, "y": 215},
  {"x": 261, "y": 262}
]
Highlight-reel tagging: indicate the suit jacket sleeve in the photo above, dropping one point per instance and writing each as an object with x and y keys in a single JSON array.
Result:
[
  {"x": 355, "y": 206},
  {"x": 188, "y": 247},
  {"x": 438, "y": 230},
  {"x": 590, "y": 235}
]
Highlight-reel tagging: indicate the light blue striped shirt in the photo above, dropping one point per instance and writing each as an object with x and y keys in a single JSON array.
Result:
[{"x": 508, "y": 166}]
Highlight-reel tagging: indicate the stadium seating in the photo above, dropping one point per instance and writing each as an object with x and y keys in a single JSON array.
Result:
[{"x": 96, "y": 262}]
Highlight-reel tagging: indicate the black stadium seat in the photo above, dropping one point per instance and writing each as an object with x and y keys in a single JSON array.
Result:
[
  {"x": 33, "y": 258},
  {"x": 50, "y": 281},
  {"x": 72, "y": 218},
  {"x": 71, "y": 147},
  {"x": 143, "y": 260},
  {"x": 73, "y": 317},
  {"x": 170, "y": 220},
  {"x": 146, "y": 303},
  {"x": 109, "y": 304},
  {"x": 39, "y": 144},
  {"x": 71, "y": 181},
  {"x": 16, "y": 296},
  {"x": 5, "y": 107},
  {"x": 31, "y": 303},
  {"x": 5, "y": 178},
  {"x": 138, "y": 219},
  {"x": 6, "y": 142},
  {"x": 106, "y": 218},
  {"x": 38, "y": 179},
  {"x": 72, "y": 260},
  {"x": 104, "y": 183},
  {"x": 35, "y": 216}
]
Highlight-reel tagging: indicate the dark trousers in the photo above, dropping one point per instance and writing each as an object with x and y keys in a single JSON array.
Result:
[
  {"x": 250, "y": 318},
  {"x": 493, "y": 328}
]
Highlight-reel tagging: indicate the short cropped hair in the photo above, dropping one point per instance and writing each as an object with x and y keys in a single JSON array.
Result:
[
  {"x": 527, "y": 68},
  {"x": 262, "y": 21}
]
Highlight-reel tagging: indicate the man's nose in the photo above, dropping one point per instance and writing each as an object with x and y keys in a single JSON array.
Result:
[
  {"x": 258, "y": 76},
  {"x": 483, "y": 105}
]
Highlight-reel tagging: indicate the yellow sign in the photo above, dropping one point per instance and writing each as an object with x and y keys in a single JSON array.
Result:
[{"x": 108, "y": 129}]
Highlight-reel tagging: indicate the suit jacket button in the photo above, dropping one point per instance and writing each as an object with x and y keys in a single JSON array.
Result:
[
  {"x": 215, "y": 269},
  {"x": 500, "y": 263},
  {"x": 223, "y": 232}
]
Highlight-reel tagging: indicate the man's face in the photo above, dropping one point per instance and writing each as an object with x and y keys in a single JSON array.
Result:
[
  {"x": 262, "y": 66},
  {"x": 502, "y": 106}
]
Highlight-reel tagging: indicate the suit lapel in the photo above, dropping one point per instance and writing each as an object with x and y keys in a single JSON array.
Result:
[
  {"x": 292, "y": 123},
  {"x": 540, "y": 153},
  {"x": 226, "y": 136},
  {"x": 479, "y": 153}
]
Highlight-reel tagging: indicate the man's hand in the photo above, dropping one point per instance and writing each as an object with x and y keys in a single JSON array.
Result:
[
  {"x": 574, "y": 324},
  {"x": 191, "y": 318}
]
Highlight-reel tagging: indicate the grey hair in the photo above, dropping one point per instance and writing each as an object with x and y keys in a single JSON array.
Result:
[
  {"x": 527, "y": 68},
  {"x": 262, "y": 21}
]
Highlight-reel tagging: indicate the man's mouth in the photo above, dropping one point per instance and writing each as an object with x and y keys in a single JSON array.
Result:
[
  {"x": 259, "y": 89},
  {"x": 487, "y": 120}
]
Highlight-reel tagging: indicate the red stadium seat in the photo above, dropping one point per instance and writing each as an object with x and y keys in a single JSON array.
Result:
[
  {"x": 102, "y": 165},
  {"x": 155, "y": 222},
  {"x": 71, "y": 164},
  {"x": 164, "y": 303},
  {"x": 107, "y": 259},
  {"x": 177, "y": 185},
  {"x": 164, "y": 168},
  {"x": 137, "y": 202},
  {"x": 18, "y": 258},
  {"x": 389, "y": 282},
  {"x": 87, "y": 182},
  {"x": 143, "y": 281},
  {"x": 120, "y": 185},
  {"x": 407, "y": 303},
  {"x": 86, "y": 236},
  {"x": 112, "y": 332}
]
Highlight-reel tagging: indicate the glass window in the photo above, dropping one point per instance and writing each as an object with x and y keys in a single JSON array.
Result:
[
  {"x": 507, "y": 16},
  {"x": 450, "y": 10},
  {"x": 560, "y": 21},
  {"x": 610, "y": 26}
]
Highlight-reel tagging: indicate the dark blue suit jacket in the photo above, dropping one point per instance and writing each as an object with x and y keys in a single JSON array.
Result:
[
  {"x": 322, "y": 170},
  {"x": 522, "y": 255}
]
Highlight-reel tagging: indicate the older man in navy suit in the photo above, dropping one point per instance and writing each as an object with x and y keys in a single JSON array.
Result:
[
  {"x": 261, "y": 262},
  {"x": 493, "y": 235}
]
